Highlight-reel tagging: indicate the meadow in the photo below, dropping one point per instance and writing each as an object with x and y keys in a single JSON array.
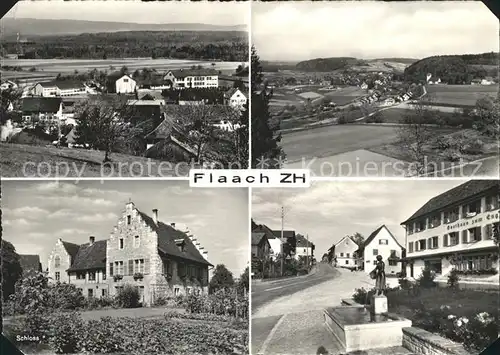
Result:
[{"x": 459, "y": 95}]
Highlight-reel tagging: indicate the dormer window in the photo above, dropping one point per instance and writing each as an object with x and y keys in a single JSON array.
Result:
[{"x": 180, "y": 244}]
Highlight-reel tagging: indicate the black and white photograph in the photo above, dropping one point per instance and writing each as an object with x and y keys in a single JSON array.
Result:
[
  {"x": 375, "y": 88},
  {"x": 379, "y": 267},
  {"x": 123, "y": 88},
  {"x": 125, "y": 267}
]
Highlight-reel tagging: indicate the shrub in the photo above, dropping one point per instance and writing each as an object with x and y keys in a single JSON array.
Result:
[
  {"x": 405, "y": 284},
  {"x": 65, "y": 296},
  {"x": 128, "y": 297},
  {"x": 160, "y": 301},
  {"x": 426, "y": 279},
  {"x": 475, "y": 147},
  {"x": 362, "y": 295},
  {"x": 452, "y": 155},
  {"x": 100, "y": 336},
  {"x": 342, "y": 120},
  {"x": 65, "y": 332},
  {"x": 453, "y": 279}
]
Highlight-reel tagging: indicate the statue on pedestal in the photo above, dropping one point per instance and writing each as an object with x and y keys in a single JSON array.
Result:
[{"x": 379, "y": 273}]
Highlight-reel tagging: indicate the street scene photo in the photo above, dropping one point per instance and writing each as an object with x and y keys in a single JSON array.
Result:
[
  {"x": 123, "y": 89},
  {"x": 125, "y": 267},
  {"x": 375, "y": 88},
  {"x": 402, "y": 267}
]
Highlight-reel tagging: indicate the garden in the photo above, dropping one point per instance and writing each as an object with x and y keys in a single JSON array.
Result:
[
  {"x": 465, "y": 316},
  {"x": 55, "y": 318}
]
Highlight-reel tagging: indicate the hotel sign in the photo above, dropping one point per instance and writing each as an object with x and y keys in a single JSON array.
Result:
[{"x": 474, "y": 221}]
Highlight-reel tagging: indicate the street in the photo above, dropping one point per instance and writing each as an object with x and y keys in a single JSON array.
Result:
[{"x": 288, "y": 318}]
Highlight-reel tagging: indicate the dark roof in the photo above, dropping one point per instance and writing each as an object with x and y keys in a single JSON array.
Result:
[
  {"x": 116, "y": 75},
  {"x": 302, "y": 242},
  {"x": 286, "y": 234},
  {"x": 90, "y": 256},
  {"x": 167, "y": 236},
  {"x": 257, "y": 237},
  {"x": 265, "y": 229},
  {"x": 243, "y": 79},
  {"x": 41, "y": 104},
  {"x": 71, "y": 248},
  {"x": 462, "y": 192},
  {"x": 164, "y": 130},
  {"x": 182, "y": 73},
  {"x": 156, "y": 80},
  {"x": 30, "y": 263},
  {"x": 62, "y": 84},
  {"x": 374, "y": 234}
]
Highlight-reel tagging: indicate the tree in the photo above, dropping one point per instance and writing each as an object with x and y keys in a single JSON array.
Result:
[
  {"x": 11, "y": 269},
  {"x": 358, "y": 238},
  {"x": 265, "y": 137},
  {"x": 221, "y": 279},
  {"x": 486, "y": 116},
  {"x": 102, "y": 123},
  {"x": 244, "y": 282}
]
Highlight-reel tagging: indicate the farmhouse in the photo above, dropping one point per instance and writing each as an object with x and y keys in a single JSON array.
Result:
[
  {"x": 156, "y": 258},
  {"x": 260, "y": 245},
  {"x": 193, "y": 78},
  {"x": 235, "y": 98},
  {"x": 120, "y": 83},
  {"x": 455, "y": 230},
  {"x": 58, "y": 88},
  {"x": 46, "y": 110},
  {"x": 304, "y": 248},
  {"x": 382, "y": 242},
  {"x": 345, "y": 252}
]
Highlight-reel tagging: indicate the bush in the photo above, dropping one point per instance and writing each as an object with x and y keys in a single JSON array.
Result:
[
  {"x": 426, "y": 279},
  {"x": 405, "y": 284},
  {"x": 452, "y": 155},
  {"x": 453, "y": 279},
  {"x": 99, "y": 336},
  {"x": 128, "y": 297},
  {"x": 160, "y": 301},
  {"x": 65, "y": 332},
  {"x": 65, "y": 296},
  {"x": 362, "y": 295},
  {"x": 475, "y": 147}
]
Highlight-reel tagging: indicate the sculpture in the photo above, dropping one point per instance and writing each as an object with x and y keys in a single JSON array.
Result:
[{"x": 379, "y": 273}]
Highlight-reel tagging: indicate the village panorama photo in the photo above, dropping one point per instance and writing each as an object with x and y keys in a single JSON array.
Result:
[
  {"x": 123, "y": 88},
  {"x": 124, "y": 267}
]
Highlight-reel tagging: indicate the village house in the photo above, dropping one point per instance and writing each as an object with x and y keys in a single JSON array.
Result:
[
  {"x": 274, "y": 241},
  {"x": 459, "y": 222},
  {"x": 44, "y": 110},
  {"x": 235, "y": 98},
  {"x": 304, "y": 248},
  {"x": 193, "y": 78},
  {"x": 345, "y": 252},
  {"x": 120, "y": 83},
  {"x": 58, "y": 88},
  {"x": 156, "y": 258},
  {"x": 226, "y": 125},
  {"x": 382, "y": 242},
  {"x": 155, "y": 82},
  {"x": 487, "y": 81},
  {"x": 431, "y": 80},
  {"x": 261, "y": 248}
]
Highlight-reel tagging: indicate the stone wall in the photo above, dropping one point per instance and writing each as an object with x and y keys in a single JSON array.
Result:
[{"x": 423, "y": 342}]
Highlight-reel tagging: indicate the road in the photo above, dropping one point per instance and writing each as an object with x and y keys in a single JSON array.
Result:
[{"x": 265, "y": 292}]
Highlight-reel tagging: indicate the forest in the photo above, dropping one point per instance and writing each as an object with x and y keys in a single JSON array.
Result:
[
  {"x": 454, "y": 69},
  {"x": 328, "y": 64},
  {"x": 195, "y": 45}
]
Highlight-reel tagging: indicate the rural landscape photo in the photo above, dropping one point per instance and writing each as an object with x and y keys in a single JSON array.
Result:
[
  {"x": 368, "y": 88},
  {"x": 144, "y": 267},
  {"x": 401, "y": 267},
  {"x": 135, "y": 89}
]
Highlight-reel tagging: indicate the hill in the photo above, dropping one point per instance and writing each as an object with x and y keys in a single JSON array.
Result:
[
  {"x": 329, "y": 64},
  {"x": 398, "y": 60},
  {"x": 454, "y": 69},
  {"x": 29, "y": 27}
]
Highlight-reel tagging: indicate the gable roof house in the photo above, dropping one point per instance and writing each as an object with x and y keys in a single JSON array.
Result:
[
  {"x": 260, "y": 245},
  {"x": 58, "y": 88},
  {"x": 235, "y": 98},
  {"x": 43, "y": 109},
  {"x": 193, "y": 78},
  {"x": 304, "y": 248},
  {"x": 382, "y": 242},
  {"x": 345, "y": 252}
]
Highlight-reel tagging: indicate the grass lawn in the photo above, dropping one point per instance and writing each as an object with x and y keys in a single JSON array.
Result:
[
  {"x": 460, "y": 94},
  {"x": 19, "y": 160}
]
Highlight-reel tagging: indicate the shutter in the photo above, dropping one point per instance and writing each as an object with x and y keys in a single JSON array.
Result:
[
  {"x": 445, "y": 240},
  {"x": 110, "y": 269},
  {"x": 146, "y": 266},
  {"x": 131, "y": 267}
]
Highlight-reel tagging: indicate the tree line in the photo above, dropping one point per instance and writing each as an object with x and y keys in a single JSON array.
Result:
[{"x": 211, "y": 45}]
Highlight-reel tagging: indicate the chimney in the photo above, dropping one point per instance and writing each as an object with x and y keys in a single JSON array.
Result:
[
  {"x": 91, "y": 240},
  {"x": 172, "y": 225},
  {"x": 155, "y": 216}
]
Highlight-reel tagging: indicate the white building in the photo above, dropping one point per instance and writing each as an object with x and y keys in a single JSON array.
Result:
[
  {"x": 235, "y": 98},
  {"x": 303, "y": 248},
  {"x": 125, "y": 85},
  {"x": 487, "y": 81},
  {"x": 193, "y": 78},
  {"x": 345, "y": 252},
  {"x": 58, "y": 88},
  {"x": 459, "y": 223},
  {"x": 227, "y": 125},
  {"x": 382, "y": 242}
]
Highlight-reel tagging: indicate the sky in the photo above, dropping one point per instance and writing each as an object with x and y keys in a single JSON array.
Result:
[
  {"x": 36, "y": 214},
  {"x": 295, "y": 31},
  {"x": 328, "y": 211},
  {"x": 216, "y": 13}
]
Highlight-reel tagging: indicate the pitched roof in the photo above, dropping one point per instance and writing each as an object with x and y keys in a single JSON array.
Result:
[
  {"x": 374, "y": 234},
  {"x": 265, "y": 229},
  {"x": 30, "y": 262},
  {"x": 462, "y": 192},
  {"x": 41, "y": 104},
  {"x": 71, "y": 248},
  {"x": 257, "y": 237},
  {"x": 182, "y": 73},
  {"x": 165, "y": 129},
  {"x": 286, "y": 233},
  {"x": 167, "y": 236},
  {"x": 90, "y": 256},
  {"x": 347, "y": 236},
  {"x": 62, "y": 84}
]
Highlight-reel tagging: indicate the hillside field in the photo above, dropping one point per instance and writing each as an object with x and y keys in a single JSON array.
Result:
[{"x": 460, "y": 95}]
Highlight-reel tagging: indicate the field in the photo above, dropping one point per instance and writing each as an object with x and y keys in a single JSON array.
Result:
[
  {"x": 19, "y": 160},
  {"x": 460, "y": 95}
]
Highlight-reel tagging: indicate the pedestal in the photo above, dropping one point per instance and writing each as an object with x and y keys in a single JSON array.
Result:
[{"x": 379, "y": 304}]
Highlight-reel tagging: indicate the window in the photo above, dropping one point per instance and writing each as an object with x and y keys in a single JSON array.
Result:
[
  {"x": 104, "y": 275},
  {"x": 420, "y": 226},
  {"x": 432, "y": 243},
  {"x": 347, "y": 262},
  {"x": 451, "y": 216},
  {"x": 139, "y": 266},
  {"x": 91, "y": 293},
  {"x": 492, "y": 202},
  {"x": 104, "y": 292},
  {"x": 119, "y": 267},
  {"x": 375, "y": 251},
  {"x": 435, "y": 221},
  {"x": 475, "y": 234},
  {"x": 383, "y": 241},
  {"x": 136, "y": 241},
  {"x": 453, "y": 238},
  {"x": 465, "y": 236},
  {"x": 125, "y": 80},
  {"x": 410, "y": 247},
  {"x": 341, "y": 254},
  {"x": 121, "y": 243},
  {"x": 58, "y": 276},
  {"x": 347, "y": 254},
  {"x": 393, "y": 263},
  {"x": 80, "y": 276},
  {"x": 110, "y": 269},
  {"x": 92, "y": 276},
  {"x": 176, "y": 291},
  {"x": 367, "y": 261},
  {"x": 129, "y": 219},
  {"x": 472, "y": 208},
  {"x": 488, "y": 232},
  {"x": 57, "y": 261}
]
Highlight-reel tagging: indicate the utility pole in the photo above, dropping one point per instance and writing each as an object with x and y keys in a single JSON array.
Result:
[
  {"x": 281, "y": 240},
  {"x": 307, "y": 251}
]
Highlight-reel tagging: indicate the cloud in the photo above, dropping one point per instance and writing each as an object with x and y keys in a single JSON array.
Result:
[
  {"x": 71, "y": 231},
  {"x": 63, "y": 213},
  {"x": 56, "y": 186},
  {"x": 97, "y": 218},
  {"x": 27, "y": 212},
  {"x": 18, "y": 222}
]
